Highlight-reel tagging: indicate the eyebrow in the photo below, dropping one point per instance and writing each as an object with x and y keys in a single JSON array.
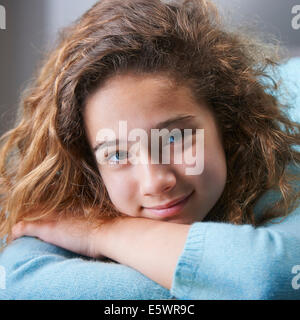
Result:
[{"x": 164, "y": 124}]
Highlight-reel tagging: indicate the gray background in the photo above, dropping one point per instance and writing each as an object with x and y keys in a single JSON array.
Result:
[{"x": 32, "y": 25}]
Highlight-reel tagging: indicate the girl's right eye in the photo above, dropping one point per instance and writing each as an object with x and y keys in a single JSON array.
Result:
[{"x": 115, "y": 157}]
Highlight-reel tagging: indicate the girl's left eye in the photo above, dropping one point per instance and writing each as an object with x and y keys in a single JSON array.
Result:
[
  {"x": 172, "y": 139},
  {"x": 176, "y": 137}
]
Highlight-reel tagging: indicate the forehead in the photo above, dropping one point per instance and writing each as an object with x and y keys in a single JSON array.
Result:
[{"x": 140, "y": 100}]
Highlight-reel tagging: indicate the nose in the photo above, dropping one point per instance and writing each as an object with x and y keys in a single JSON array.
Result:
[{"x": 156, "y": 179}]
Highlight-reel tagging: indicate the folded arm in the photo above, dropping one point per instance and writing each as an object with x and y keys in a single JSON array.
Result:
[
  {"x": 207, "y": 260},
  {"x": 38, "y": 270}
]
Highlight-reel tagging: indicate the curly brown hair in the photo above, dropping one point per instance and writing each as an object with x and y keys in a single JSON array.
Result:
[{"x": 46, "y": 165}]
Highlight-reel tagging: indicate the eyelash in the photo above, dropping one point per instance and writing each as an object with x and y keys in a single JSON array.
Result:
[{"x": 118, "y": 151}]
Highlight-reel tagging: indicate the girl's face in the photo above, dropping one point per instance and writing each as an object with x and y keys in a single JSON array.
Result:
[{"x": 137, "y": 189}]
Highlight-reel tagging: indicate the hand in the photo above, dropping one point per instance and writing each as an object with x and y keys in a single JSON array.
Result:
[{"x": 78, "y": 236}]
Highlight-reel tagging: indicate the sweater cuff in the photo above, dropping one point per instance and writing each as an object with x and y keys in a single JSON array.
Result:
[{"x": 189, "y": 261}]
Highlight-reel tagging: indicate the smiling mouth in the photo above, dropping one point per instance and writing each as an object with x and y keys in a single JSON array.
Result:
[{"x": 171, "y": 209}]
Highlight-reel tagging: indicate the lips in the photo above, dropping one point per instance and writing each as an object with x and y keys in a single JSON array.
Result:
[
  {"x": 170, "y": 209},
  {"x": 169, "y": 204}
]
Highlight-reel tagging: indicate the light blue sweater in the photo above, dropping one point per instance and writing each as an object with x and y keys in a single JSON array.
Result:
[{"x": 219, "y": 261}]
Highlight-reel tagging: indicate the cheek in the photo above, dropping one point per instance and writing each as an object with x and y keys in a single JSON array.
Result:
[
  {"x": 215, "y": 168},
  {"x": 211, "y": 183},
  {"x": 121, "y": 191}
]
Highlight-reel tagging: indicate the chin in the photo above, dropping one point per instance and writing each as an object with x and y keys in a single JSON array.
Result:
[{"x": 179, "y": 220}]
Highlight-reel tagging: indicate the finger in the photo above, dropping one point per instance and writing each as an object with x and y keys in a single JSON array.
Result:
[
  {"x": 26, "y": 229},
  {"x": 18, "y": 230}
]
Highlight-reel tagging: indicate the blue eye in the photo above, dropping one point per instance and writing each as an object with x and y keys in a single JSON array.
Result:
[
  {"x": 172, "y": 139},
  {"x": 117, "y": 156},
  {"x": 176, "y": 137}
]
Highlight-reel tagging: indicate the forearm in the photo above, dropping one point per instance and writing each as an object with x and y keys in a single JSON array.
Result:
[{"x": 149, "y": 246}]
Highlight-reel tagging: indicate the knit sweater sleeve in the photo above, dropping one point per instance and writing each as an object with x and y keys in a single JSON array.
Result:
[
  {"x": 225, "y": 261},
  {"x": 35, "y": 270}
]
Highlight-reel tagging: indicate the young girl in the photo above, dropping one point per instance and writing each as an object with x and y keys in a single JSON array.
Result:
[{"x": 82, "y": 224}]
